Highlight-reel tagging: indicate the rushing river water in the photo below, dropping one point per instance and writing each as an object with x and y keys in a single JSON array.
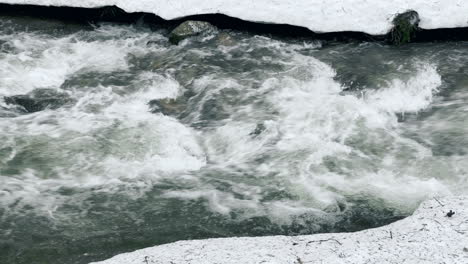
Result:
[{"x": 264, "y": 136}]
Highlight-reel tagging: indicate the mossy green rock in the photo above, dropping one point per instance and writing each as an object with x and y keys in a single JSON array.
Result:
[
  {"x": 188, "y": 29},
  {"x": 405, "y": 26}
]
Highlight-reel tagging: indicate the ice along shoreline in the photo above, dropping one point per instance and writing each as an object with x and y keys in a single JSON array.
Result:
[{"x": 428, "y": 236}]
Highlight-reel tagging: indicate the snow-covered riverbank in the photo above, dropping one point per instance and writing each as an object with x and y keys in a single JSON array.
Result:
[
  {"x": 428, "y": 236},
  {"x": 368, "y": 16}
]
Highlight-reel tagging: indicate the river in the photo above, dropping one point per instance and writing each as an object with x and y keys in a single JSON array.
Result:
[{"x": 226, "y": 134}]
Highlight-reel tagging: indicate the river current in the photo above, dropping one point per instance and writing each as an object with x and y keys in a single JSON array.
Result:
[{"x": 226, "y": 134}]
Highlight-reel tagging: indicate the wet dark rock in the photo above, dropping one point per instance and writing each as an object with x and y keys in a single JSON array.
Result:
[
  {"x": 39, "y": 99},
  {"x": 167, "y": 106},
  {"x": 90, "y": 80},
  {"x": 258, "y": 130},
  {"x": 157, "y": 43},
  {"x": 405, "y": 27},
  {"x": 188, "y": 29},
  {"x": 224, "y": 39}
]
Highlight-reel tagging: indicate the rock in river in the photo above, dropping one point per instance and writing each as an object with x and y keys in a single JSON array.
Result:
[
  {"x": 405, "y": 27},
  {"x": 168, "y": 106},
  {"x": 188, "y": 29},
  {"x": 39, "y": 99}
]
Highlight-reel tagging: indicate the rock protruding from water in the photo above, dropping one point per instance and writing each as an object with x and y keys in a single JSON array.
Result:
[
  {"x": 188, "y": 29},
  {"x": 224, "y": 39},
  {"x": 167, "y": 106},
  {"x": 39, "y": 99},
  {"x": 405, "y": 26},
  {"x": 259, "y": 129}
]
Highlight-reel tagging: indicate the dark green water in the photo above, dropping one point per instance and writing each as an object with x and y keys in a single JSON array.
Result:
[{"x": 264, "y": 136}]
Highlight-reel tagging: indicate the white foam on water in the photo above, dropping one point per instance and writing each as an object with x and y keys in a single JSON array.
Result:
[
  {"x": 318, "y": 147},
  {"x": 218, "y": 201},
  {"x": 410, "y": 96},
  {"x": 314, "y": 123},
  {"x": 107, "y": 139},
  {"x": 167, "y": 86},
  {"x": 41, "y": 61}
]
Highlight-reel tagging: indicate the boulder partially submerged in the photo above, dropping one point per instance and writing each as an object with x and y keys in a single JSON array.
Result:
[
  {"x": 168, "y": 106},
  {"x": 39, "y": 99},
  {"x": 373, "y": 17},
  {"x": 431, "y": 235},
  {"x": 188, "y": 29}
]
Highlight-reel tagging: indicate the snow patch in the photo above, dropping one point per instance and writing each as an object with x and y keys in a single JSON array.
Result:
[
  {"x": 371, "y": 16},
  {"x": 428, "y": 236}
]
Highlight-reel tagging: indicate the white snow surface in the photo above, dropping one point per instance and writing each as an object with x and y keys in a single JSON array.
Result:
[
  {"x": 428, "y": 236},
  {"x": 369, "y": 16}
]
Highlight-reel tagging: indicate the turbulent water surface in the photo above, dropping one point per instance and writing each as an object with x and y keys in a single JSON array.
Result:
[{"x": 226, "y": 134}]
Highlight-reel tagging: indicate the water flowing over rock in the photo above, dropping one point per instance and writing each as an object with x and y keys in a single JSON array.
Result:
[
  {"x": 168, "y": 106},
  {"x": 189, "y": 29},
  {"x": 39, "y": 99},
  {"x": 258, "y": 130},
  {"x": 224, "y": 39}
]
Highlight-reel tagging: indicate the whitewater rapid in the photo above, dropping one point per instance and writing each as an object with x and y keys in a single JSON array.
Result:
[
  {"x": 269, "y": 136},
  {"x": 306, "y": 119}
]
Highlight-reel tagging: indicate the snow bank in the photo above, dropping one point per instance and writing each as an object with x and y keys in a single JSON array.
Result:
[
  {"x": 369, "y": 16},
  {"x": 428, "y": 236}
]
